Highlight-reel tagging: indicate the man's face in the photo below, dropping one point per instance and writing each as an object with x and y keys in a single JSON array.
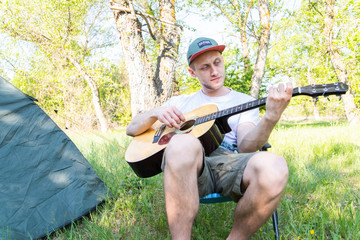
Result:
[{"x": 209, "y": 68}]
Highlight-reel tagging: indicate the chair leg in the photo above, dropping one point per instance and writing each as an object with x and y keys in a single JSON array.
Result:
[
  {"x": 275, "y": 225},
  {"x": 275, "y": 215}
]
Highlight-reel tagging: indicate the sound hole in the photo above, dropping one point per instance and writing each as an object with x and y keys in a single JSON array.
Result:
[{"x": 187, "y": 125}]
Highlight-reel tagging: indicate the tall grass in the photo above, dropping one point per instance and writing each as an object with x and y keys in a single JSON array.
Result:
[{"x": 322, "y": 199}]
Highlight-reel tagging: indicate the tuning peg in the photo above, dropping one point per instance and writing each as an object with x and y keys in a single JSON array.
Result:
[
  {"x": 327, "y": 97},
  {"x": 316, "y": 99},
  {"x": 340, "y": 97}
]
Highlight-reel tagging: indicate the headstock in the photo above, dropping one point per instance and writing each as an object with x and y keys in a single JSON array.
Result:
[{"x": 324, "y": 90}]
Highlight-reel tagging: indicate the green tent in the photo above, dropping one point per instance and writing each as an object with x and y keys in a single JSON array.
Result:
[{"x": 45, "y": 182}]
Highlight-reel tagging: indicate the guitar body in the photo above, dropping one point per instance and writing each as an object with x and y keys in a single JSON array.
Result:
[{"x": 145, "y": 157}]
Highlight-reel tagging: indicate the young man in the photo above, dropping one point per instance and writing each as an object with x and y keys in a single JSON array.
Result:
[{"x": 255, "y": 180}]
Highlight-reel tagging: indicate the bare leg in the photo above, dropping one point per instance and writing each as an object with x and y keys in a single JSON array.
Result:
[
  {"x": 183, "y": 162},
  {"x": 264, "y": 179}
]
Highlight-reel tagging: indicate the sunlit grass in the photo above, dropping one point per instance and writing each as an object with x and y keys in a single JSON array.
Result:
[{"x": 322, "y": 199}]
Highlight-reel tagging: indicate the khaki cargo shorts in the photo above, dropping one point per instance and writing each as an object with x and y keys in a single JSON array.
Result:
[{"x": 222, "y": 173}]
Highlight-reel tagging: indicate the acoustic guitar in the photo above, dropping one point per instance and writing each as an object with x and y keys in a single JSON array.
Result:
[{"x": 206, "y": 123}]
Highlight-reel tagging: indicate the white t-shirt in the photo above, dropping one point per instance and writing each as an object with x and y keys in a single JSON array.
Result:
[{"x": 187, "y": 103}]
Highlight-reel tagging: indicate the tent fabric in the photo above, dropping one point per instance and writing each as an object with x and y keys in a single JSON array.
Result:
[{"x": 45, "y": 181}]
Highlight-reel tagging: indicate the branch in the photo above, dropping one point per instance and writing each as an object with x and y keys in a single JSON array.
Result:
[
  {"x": 148, "y": 25},
  {"x": 123, "y": 9},
  {"x": 87, "y": 30},
  {"x": 132, "y": 9},
  {"x": 248, "y": 10},
  {"x": 312, "y": 5},
  {"x": 68, "y": 30},
  {"x": 223, "y": 12}
]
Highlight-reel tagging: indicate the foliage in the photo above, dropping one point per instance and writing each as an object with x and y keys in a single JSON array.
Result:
[
  {"x": 57, "y": 31},
  {"x": 242, "y": 20},
  {"x": 63, "y": 95},
  {"x": 186, "y": 83},
  {"x": 114, "y": 91},
  {"x": 236, "y": 76},
  {"x": 321, "y": 200},
  {"x": 298, "y": 50}
]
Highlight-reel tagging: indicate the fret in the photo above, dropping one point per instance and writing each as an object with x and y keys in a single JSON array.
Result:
[
  {"x": 232, "y": 110},
  {"x": 198, "y": 120},
  {"x": 220, "y": 113},
  {"x": 239, "y": 107},
  {"x": 214, "y": 115}
]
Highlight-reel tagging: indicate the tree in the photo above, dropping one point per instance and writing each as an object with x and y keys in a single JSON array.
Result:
[
  {"x": 337, "y": 61},
  {"x": 151, "y": 80},
  {"x": 300, "y": 47},
  {"x": 238, "y": 14},
  {"x": 263, "y": 42},
  {"x": 55, "y": 27}
]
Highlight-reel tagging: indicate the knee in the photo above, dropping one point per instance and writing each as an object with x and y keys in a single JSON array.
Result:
[
  {"x": 271, "y": 172},
  {"x": 183, "y": 151}
]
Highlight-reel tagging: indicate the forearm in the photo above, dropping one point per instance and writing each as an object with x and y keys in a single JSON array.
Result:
[
  {"x": 141, "y": 122},
  {"x": 169, "y": 115},
  {"x": 252, "y": 139},
  {"x": 256, "y": 137}
]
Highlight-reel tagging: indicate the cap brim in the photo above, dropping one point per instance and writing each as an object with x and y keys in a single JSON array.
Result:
[{"x": 219, "y": 48}]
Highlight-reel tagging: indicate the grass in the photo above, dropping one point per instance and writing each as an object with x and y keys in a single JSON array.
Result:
[{"x": 322, "y": 199}]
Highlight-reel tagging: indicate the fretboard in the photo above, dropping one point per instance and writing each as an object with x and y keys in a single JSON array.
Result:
[
  {"x": 232, "y": 111},
  {"x": 238, "y": 109}
]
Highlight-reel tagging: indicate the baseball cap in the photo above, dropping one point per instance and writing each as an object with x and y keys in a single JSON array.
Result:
[{"x": 202, "y": 45}]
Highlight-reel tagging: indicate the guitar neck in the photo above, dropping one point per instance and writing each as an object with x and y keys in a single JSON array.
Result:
[
  {"x": 221, "y": 117},
  {"x": 226, "y": 113}
]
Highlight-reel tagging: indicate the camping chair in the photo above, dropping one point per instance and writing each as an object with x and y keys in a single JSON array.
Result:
[{"x": 217, "y": 198}]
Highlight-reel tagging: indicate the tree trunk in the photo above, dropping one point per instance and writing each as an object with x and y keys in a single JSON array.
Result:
[
  {"x": 149, "y": 86},
  {"x": 338, "y": 63},
  {"x": 169, "y": 44},
  {"x": 259, "y": 68},
  {"x": 104, "y": 124},
  {"x": 243, "y": 37},
  {"x": 137, "y": 62}
]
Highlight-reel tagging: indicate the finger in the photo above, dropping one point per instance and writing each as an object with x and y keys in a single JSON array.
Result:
[
  {"x": 271, "y": 91},
  {"x": 175, "y": 124},
  {"x": 281, "y": 88},
  {"x": 174, "y": 120},
  {"x": 174, "y": 117},
  {"x": 289, "y": 88},
  {"x": 275, "y": 92},
  {"x": 164, "y": 120},
  {"x": 179, "y": 114},
  {"x": 167, "y": 117}
]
